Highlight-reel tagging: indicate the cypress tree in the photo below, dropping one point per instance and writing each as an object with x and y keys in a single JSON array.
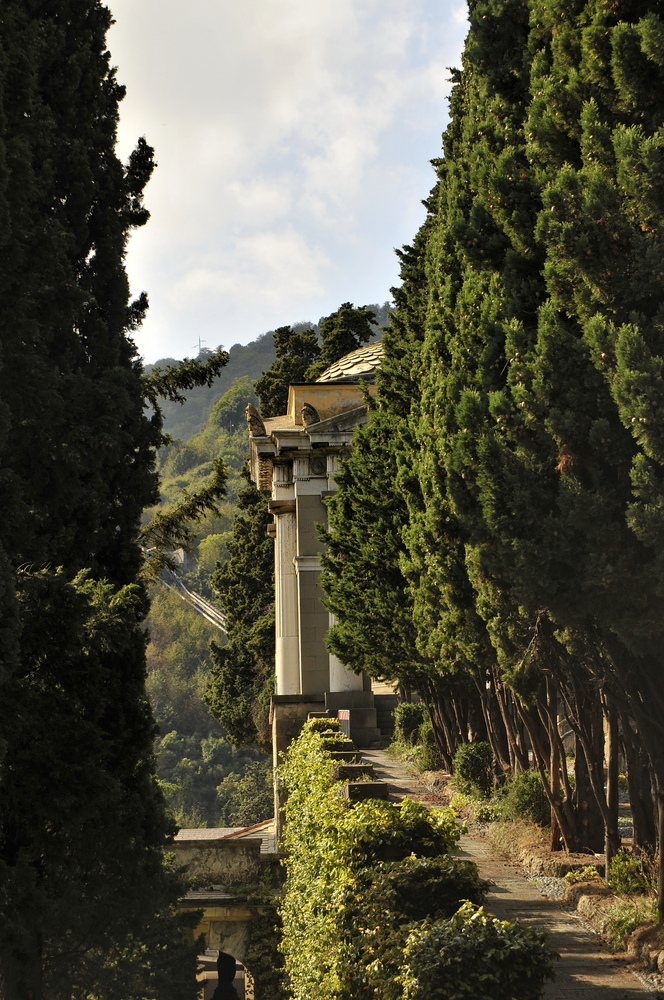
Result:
[
  {"x": 600, "y": 227},
  {"x": 478, "y": 467},
  {"x": 86, "y": 901},
  {"x": 297, "y": 349},
  {"x": 242, "y": 677},
  {"x": 542, "y": 353},
  {"x": 341, "y": 332}
]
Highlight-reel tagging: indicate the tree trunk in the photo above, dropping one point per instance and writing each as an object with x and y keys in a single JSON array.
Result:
[
  {"x": 612, "y": 837},
  {"x": 533, "y": 728}
]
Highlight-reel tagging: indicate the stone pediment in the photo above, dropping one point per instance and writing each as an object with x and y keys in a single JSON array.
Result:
[{"x": 341, "y": 424}]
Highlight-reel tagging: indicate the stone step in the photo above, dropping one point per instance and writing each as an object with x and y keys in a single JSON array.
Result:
[
  {"x": 351, "y": 772},
  {"x": 356, "y": 791}
]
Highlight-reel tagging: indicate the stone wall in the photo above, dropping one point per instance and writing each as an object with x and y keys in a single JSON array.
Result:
[{"x": 219, "y": 862}]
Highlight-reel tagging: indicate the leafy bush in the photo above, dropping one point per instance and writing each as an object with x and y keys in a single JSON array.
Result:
[
  {"x": 408, "y": 717},
  {"x": 429, "y": 757},
  {"x": 626, "y": 917},
  {"x": 625, "y": 875},
  {"x": 328, "y": 726},
  {"x": 586, "y": 873},
  {"x": 475, "y": 956},
  {"x": 476, "y": 810},
  {"x": 525, "y": 798},
  {"x": 379, "y": 910},
  {"x": 363, "y": 879},
  {"x": 416, "y": 888},
  {"x": 473, "y": 769},
  {"x": 329, "y": 844}
]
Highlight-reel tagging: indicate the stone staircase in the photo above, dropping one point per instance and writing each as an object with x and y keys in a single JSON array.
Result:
[
  {"x": 385, "y": 705},
  {"x": 368, "y": 718}
]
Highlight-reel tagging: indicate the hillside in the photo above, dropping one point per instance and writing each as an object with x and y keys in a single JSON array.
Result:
[{"x": 245, "y": 361}]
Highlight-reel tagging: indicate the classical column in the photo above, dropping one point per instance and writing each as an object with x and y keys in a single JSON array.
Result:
[
  {"x": 310, "y": 482},
  {"x": 287, "y": 653}
]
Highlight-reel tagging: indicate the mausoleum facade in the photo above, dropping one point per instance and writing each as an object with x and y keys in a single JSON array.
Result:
[{"x": 295, "y": 456}]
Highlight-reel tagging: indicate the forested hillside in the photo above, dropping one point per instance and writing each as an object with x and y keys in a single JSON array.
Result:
[{"x": 207, "y": 781}]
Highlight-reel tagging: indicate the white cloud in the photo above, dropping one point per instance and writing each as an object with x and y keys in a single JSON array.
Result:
[
  {"x": 273, "y": 267},
  {"x": 282, "y": 127}
]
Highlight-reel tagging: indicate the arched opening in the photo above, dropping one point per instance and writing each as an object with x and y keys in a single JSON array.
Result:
[{"x": 224, "y": 978}]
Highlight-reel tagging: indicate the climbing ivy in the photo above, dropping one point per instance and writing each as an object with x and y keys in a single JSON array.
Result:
[{"x": 360, "y": 878}]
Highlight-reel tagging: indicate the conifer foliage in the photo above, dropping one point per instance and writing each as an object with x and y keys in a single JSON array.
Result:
[
  {"x": 527, "y": 529},
  {"x": 296, "y": 350},
  {"x": 242, "y": 675},
  {"x": 341, "y": 332},
  {"x": 86, "y": 903}
]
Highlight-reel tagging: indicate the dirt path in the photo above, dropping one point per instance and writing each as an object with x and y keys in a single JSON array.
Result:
[{"x": 586, "y": 970}]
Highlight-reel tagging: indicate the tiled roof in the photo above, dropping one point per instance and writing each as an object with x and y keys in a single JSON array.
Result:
[
  {"x": 358, "y": 365},
  {"x": 259, "y": 831}
]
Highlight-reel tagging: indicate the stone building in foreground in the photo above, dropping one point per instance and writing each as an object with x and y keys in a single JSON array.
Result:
[{"x": 296, "y": 455}]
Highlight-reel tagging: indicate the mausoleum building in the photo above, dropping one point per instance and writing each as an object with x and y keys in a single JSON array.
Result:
[{"x": 295, "y": 456}]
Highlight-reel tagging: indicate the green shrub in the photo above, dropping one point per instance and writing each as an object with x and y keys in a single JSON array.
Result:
[
  {"x": 380, "y": 909},
  {"x": 364, "y": 879},
  {"x": 461, "y": 801},
  {"x": 525, "y": 798},
  {"x": 330, "y": 844},
  {"x": 375, "y": 831},
  {"x": 473, "y": 769},
  {"x": 476, "y": 810},
  {"x": 626, "y": 917},
  {"x": 429, "y": 757},
  {"x": 328, "y": 726},
  {"x": 475, "y": 956},
  {"x": 586, "y": 873},
  {"x": 417, "y": 888},
  {"x": 625, "y": 875},
  {"x": 408, "y": 717}
]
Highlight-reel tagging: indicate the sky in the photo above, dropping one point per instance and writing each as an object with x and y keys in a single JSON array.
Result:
[{"x": 293, "y": 140}]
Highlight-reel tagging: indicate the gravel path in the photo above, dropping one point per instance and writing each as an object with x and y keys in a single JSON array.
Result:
[{"x": 586, "y": 970}]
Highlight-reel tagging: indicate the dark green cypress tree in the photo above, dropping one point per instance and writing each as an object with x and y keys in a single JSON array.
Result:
[
  {"x": 86, "y": 901},
  {"x": 601, "y": 229},
  {"x": 341, "y": 332},
  {"x": 543, "y": 352},
  {"x": 297, "y": 349},
  {"x": 242, "y": 677},
  {"x": 485, "y": 285},
  {"x": 362, "y": 577}
]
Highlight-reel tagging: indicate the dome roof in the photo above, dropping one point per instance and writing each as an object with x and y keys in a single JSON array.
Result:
[{"x": 359, "y": 365}]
